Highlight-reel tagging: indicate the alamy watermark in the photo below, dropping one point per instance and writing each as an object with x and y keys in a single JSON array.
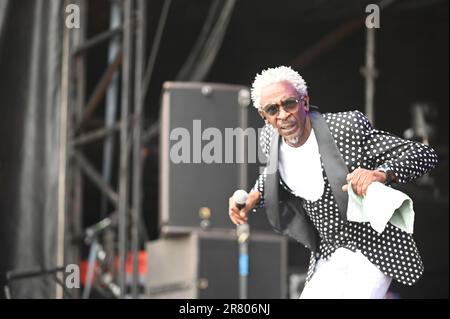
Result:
[
  {"x": 213, "y": 146},
  {"x": 72, "y": 276},
  {"x": 373, "y": 19},
  {"x": 72, "y": 16}
]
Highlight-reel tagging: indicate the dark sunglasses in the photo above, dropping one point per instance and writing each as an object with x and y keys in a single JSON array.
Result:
[{"x": 289, "y": 105}]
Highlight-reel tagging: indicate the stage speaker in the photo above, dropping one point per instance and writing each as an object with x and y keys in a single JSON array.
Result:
[
  {"x": 204, "y": 265},
  {"x": 205, "y": 151}
]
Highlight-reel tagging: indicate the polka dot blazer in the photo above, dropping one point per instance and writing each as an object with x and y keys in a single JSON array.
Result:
[{"x": 393, "y": 251}]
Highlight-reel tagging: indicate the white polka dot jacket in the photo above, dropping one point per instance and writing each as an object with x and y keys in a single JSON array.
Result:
[{"x": 346, "y": 141}]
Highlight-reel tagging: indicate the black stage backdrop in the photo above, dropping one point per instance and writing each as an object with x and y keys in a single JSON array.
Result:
[
  {"x": 411, "y": 56},
  {"x": 30, "y": 71}
]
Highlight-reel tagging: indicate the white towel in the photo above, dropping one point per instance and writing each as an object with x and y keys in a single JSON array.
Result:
[{"x": 381, "y": 205}]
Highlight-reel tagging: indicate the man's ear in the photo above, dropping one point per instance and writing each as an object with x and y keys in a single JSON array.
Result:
[
  {"x": 262, "y": 115},
  {"x": 306, "y": 102}
]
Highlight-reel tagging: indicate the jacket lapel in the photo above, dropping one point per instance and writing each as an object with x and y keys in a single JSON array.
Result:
[
  {"x": 333, "y": 162},
  {"x": 272, "y": 181},
  {"x": 286, "y": 216}
]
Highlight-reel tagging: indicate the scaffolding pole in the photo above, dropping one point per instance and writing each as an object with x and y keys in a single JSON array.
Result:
[
  {"x": 137, "y": 133},
  {"x": 76, "y": 101},
  {"x": 62, "y": 159},
  {"x": 111, "y": 105},
  {"x": 370, "y": 74},
  {"x": 127, "y": 58},
  {"x": 127, "y": 49}
]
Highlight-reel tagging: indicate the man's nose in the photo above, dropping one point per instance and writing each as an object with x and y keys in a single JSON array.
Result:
[{"x": 282, "y": 114}]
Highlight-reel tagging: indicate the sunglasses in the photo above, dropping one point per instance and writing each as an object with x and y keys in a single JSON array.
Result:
[{"x": 289, "y": 105}]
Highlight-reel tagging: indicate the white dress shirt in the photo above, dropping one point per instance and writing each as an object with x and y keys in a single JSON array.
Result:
[{"x": 301, "y": 170}]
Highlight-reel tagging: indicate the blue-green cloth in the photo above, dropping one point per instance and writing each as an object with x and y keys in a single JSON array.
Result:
[{"x": 382, "y": 204}]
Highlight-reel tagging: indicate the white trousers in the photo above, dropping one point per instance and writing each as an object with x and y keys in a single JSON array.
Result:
[{"x": 346, "y": 275}]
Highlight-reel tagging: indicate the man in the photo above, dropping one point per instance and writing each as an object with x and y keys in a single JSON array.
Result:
[{"x": 312, "y": 158}]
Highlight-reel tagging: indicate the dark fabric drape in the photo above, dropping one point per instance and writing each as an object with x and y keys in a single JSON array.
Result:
[
  {"x": 208, "y": 43},
  {"x": 30, "y": 79},
  {"x": 3, "y": 9}
]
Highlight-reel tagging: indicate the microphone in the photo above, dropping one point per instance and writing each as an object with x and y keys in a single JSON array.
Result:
[
  {"x": 94, "y": 230},
  {"x": 97, "y": 228},
  {"x": 240, "y": 197},
  {"x": 243, "y": 234}
]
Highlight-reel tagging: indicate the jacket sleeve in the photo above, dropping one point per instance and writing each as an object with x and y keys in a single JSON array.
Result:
[
  {"x": 407, "y": 159},
  {"x": 264, "y": 141}
]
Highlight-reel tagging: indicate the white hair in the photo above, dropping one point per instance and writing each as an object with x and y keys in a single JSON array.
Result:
[{"x": 275, "y": 75}]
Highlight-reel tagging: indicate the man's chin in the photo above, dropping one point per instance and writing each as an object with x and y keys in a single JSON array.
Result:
[{"x": 290, "y": 134}]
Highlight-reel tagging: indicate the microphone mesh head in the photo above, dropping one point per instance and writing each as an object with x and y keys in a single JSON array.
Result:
[{"x": 240, "y": 196}]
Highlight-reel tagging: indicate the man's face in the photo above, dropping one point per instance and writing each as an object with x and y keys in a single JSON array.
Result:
[{"x": 289, "y": 124}]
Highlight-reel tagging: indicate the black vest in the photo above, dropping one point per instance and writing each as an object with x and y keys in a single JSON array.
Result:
[{"x": 284, "y": 210}]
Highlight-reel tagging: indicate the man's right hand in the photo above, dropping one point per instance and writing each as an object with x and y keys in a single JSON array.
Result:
[{"x": 239, "y": 216}]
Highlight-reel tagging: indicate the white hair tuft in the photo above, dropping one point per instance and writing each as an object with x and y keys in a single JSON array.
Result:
[{"x": 275, "y": 75}]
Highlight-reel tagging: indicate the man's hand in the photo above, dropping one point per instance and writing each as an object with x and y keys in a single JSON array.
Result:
[
  {"x": 238, "y": 216},
  {"x": 361, "y": 178}
]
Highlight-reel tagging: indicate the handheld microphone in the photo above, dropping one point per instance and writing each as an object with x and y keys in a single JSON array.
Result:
[
  {"x": 92, "y": 231},
  {"x": 98, "y": 227},
  {"x": 240, "y": 197},
  {"x": 243, "y": 234}
]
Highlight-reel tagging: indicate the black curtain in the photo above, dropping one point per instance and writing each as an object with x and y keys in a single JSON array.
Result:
[{"x": 30, "y": 80}]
